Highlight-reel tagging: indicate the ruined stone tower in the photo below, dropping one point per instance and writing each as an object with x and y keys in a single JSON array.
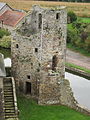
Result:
[{"x": 38, "y": 55}]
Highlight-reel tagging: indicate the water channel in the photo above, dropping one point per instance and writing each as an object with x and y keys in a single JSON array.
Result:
[{"x": 80, "y": 86}]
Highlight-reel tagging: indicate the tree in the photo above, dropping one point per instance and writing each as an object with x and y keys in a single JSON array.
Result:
[{"x": 71, "y": 17}]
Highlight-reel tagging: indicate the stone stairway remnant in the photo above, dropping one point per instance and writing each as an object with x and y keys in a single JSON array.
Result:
[{"x": 10, "y": 103}]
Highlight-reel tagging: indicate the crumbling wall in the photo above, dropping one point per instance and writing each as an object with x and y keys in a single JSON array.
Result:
[
  {"x": 32, "y": 53},
  {"x": 38, "y": 57},
  {"x": 25, "y": 66}
]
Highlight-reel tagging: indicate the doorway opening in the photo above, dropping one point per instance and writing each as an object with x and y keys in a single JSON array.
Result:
[{"x": 28, "y": 88}]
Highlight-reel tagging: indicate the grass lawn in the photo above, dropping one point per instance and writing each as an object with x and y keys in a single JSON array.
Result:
[{"x": 29, "y": 110}]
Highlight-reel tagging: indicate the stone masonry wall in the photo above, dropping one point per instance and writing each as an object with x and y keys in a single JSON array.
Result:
[
  {"x": 38, "y": 57},
  {"x": 49, "y": 40}
]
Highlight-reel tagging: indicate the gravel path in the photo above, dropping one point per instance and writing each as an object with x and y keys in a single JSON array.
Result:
[{"x": 77, "y": 59}]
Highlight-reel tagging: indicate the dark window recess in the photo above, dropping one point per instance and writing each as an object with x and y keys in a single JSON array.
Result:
[
  {"x": 61, "y": 34},
  {"x": 36, "y": 49},
  {"x": 38, "y": 70},
  {"x": 40, "y": 21},
  {"x": 39, "y": 64},
  {"x": 17, "y": 46},
  {"x": 57, "y": 15},
  {"x": 31, "y": 67},
  {"x": 59, "y": 43},
  {"x": 28, "y": 88},
  {"x": 28, "y": 76},
  {"x": 31, "y": 64},
  {"x": 54, "y": 62}
]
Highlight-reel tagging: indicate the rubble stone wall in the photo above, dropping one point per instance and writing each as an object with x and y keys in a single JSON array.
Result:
[{"x": 38, "y": 57}]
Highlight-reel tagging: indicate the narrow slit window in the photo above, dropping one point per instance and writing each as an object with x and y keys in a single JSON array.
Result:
[
  {"x": 40, "y": 21},
  {"x": 31, "y": 65},
  {"x": 57, "y": 15},
  {"x": 54, "y": 63},
  {"x": 59, "y": 43}
]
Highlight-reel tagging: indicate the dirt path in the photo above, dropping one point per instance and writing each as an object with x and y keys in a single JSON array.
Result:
[{"x": 77, "y": 59}]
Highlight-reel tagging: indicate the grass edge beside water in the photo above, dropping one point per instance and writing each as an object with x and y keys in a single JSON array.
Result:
[{"x": 77, "y": 67}]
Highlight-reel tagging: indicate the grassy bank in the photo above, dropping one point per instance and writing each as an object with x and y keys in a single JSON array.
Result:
[
  {"x": 29, "y": 110},
  {"x": 77, "y": 67},
  {"x": 84, "y": 20}
]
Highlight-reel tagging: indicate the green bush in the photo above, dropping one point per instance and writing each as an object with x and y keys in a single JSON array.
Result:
[
  {"x": 87, "y": 44},
  {"x": 71, "y": 17},
  {"x": 5, "y": 42},
  {"x": 78, "y": 35},
  {"x": 72, "y": 35},
  {"x": 4, "y": 32}
]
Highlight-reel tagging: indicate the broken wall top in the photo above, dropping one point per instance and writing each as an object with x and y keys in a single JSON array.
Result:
[{"x": 30, "y": 25}]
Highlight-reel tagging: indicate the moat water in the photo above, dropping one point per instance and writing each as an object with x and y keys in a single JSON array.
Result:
[
  {"x": 80, "y": 86},
  {"x": 81, "y": 89}
]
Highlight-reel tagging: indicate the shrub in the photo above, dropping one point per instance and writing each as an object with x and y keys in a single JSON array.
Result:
[
  {"x": 72, "y": 35},
  {"x": 87, "y": 44},
  {"x": 5, "y": 42},
  {"x": 4, "y": 32},
  {"x": 71, "y": 17}
]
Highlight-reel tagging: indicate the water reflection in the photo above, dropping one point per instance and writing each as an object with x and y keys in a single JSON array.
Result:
[{"x": 81, "y": 89}]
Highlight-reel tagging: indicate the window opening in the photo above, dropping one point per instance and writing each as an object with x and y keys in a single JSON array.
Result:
[
  {"x": 54, "y": 63},
  {"x": 36, "y": 49},
  {"x": 57, "y": 15},
  {"x": 28, "y": 76},
  {"x": 17, "y": 46},
  {"x": 40, "y": 21}
]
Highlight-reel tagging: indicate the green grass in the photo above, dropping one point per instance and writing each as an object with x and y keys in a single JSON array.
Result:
[
  {"x": 29, "y": 110},
  {"x": 77, "y": 67},
  {"x": 84, "y": 20},
  {"x": 70, "y": 26},
  {"x": 77, "y": 49}
]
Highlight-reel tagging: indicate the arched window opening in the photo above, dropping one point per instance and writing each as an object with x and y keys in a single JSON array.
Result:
[
  {"x": 40, "y": 21},
  {"x": 54, "y": 62}
]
